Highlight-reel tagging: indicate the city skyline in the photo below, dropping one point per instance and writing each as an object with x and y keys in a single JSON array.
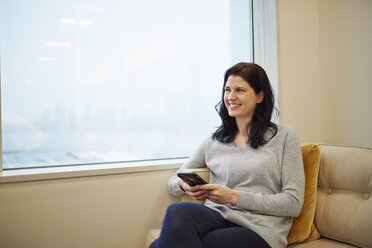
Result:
[{"x": 125, "y": 94}]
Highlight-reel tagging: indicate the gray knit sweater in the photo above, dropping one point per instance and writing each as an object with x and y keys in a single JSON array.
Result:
[{"x": 269, "y": 180}]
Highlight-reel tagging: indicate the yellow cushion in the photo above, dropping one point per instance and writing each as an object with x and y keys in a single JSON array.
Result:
[{"x": 303, "y": 228}]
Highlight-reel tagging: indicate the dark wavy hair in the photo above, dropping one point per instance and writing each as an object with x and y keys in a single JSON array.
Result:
[{"x": 261, "y": 123}]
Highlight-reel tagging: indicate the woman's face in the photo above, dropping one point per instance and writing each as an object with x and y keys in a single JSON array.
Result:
[{"x": 240, "y": 99}]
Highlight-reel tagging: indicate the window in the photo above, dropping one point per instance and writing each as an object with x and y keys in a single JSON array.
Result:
[{"x": 105, "y": 81}]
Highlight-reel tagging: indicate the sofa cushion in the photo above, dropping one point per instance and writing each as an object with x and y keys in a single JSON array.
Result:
[
  {"x": 152, "y": 235},
  {"x": 320, "y": 243},
  {"x": 303, "y": 228},
  {"x": 344, "y": 206}
]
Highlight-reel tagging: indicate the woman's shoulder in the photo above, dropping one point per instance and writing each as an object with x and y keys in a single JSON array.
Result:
[
  {"x": 285, "y": 129},
  {"x": 285, "y": 132},
  {"x": 288, "y": 134},
  {"x": 211, "y": 144},
  {"x": 206, "y": 142}
]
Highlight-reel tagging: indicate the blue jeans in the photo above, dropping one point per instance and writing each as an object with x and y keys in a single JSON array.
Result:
[{"x": 191, "y": 225}]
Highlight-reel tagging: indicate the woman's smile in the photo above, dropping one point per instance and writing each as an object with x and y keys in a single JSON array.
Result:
[{"x": 233, "y": 106}]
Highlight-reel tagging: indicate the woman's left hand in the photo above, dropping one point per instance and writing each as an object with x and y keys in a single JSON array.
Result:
[{"x": 219, "y": 194}]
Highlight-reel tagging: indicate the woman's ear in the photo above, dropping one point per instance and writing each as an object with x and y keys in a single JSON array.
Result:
[{"x": 260, "y": 96}]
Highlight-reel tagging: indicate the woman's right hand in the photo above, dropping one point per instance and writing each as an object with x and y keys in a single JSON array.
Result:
[{"x": 197, "y": 194}]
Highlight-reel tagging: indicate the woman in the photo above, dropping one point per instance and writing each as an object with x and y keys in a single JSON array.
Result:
[{"x": 256, "y": 174}]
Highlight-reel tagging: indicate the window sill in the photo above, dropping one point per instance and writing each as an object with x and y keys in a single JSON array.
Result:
[{"x": 25, "y": 175}]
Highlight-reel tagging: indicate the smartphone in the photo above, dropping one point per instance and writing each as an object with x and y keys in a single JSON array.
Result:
[{"x": 191, "y": 178}]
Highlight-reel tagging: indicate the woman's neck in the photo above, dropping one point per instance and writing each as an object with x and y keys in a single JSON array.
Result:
[
  {"x": 243, "y": 126},
  {"x": 241, "y": 139}
]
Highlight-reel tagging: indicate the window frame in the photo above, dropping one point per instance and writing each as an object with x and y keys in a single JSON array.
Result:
[{"x": 264, "y": 32}]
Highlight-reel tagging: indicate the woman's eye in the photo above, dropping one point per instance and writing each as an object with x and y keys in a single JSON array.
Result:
[{"x": 227, "y": 90}]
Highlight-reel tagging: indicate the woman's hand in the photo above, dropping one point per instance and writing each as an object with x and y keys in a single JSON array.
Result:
[
  {"x": 198, "y": 194},
  {"x": 218, "y": 194}
]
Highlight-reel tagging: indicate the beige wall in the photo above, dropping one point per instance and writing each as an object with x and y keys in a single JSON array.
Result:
[
  {"x": 325, "y": 69},
  {"x": 113, "y": 211}
]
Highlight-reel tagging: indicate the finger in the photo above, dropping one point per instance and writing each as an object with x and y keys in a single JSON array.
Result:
[
  {"x": 199, "y": 193},
  {"x": 194, "y": 189},
  {"x": 212, "y": 198},
  {"x": 184, "y": 185},
  {"x": 202, "y": 197},
  {"x": 206, "y": 186}
]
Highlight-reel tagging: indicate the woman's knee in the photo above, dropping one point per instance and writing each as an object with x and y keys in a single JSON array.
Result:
[
  {"x": 178, "y": 216},
  {"x": 180, "y": 210}
]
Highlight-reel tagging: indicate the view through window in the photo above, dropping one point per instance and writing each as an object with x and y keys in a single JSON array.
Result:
[{"x": 106, "y": 81}]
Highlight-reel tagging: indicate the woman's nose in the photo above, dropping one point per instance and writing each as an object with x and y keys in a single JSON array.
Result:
[{"x": 231, "y": 95}]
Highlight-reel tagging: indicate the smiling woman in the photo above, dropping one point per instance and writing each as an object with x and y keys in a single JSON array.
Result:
[
  {"x": 246, "y": 107},
  {"x": 256, "y": 183},
  {"x": 124, "y": 80}
]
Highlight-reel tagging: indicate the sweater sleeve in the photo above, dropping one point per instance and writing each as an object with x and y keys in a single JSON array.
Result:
[
  {"x": 289, "y": 201},
  {"x": 197, "y": 160}
]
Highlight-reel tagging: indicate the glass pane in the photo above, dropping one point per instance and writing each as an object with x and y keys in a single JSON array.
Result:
[{"x": 104, "y": 81}]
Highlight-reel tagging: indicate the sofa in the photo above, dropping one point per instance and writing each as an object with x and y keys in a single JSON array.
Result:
[{"x": 340, "y": 212}]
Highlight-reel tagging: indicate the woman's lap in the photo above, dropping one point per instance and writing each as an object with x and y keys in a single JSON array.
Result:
[{"x": 194, "y": 225}]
